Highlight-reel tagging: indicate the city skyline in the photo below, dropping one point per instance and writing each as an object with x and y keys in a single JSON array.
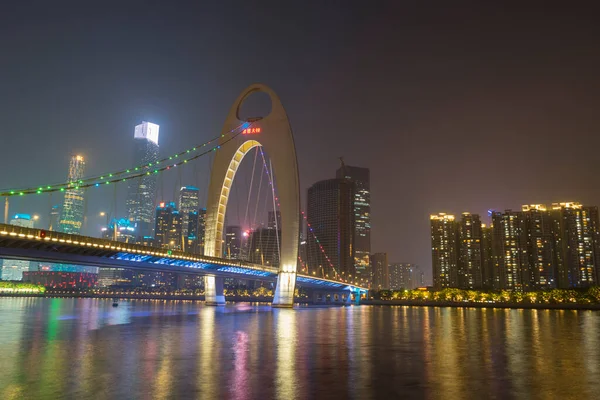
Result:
[{"x": 469, "y": 88}]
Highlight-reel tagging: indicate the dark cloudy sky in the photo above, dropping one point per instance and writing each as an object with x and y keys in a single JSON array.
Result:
[{"x": 454, "y": 106}]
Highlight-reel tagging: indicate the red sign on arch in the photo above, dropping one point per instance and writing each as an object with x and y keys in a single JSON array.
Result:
[{"x": 249, "y": 131}]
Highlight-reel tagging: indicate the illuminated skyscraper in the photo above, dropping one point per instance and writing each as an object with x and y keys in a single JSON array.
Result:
[
  {"x": 576, "y": 243},
  {"x": 510, "y": 249},
  {"x": 12, "y": 270},
  {"x": 540, "y": 247},
  {"x": 381, "y": 271},
  {"x": 330, "y": 215},
  {"x": 233, "y": 242},
  {"x": 201, "y": 229},
  {"x": 403, "y": 276},
  {"x": 72, "y": 211},
  {"x": 189, "y": 201},
  {"x": 168, "y": 227},
  {"x": 142, "y": 191},
  {"x": 360, "y": 178},
  {"x": 488, "y": 265},
  {"x": 469, "y": 252},
  {"x": 444, "y": 256}
]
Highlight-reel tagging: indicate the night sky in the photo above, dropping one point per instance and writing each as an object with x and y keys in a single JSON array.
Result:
[{"x": 453, "y": 106}]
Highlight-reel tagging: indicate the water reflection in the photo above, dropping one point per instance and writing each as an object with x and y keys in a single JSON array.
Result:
[{"x": 84, "y": 348}]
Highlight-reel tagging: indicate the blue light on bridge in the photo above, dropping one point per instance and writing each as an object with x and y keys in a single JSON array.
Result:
[{"x": 244, "y": 271}]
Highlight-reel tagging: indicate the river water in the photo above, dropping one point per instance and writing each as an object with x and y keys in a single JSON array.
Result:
[{"x": 87, "y": 349}]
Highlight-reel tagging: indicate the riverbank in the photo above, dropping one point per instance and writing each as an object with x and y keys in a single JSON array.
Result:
[{"x": 471, "y": 304}]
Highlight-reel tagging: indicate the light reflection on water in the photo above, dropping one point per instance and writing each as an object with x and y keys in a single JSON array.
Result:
[{"x": 87, "y": 349}]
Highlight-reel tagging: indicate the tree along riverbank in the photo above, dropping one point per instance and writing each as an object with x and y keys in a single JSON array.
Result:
[{"x": 566, "y": 299}]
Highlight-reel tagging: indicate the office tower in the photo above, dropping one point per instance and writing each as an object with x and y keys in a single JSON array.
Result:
[
  {"x": 121, "y": 230},
  {"x": 487, "y": 258},
  {"x": 168, "y": 227},
  {"x": 193, "y": 243},
  {"x": 72, "y": 211},
  {"x": 54, "y": 219},
  {"x": 509, "y": 237},
  {"x": 540, "y": 247},
  {"x": 233, "y": 242},
  {"x": 330, "y": 215},
  {"x": 142, "y": 191},
  {"x": 576, "y": 243},
  {"x": 189, "y": 201},
  {"x": 403, "y": 276},
  {"x": 444, "y": 251},
  {"x": 272, "y": 222},
  {"x": 381, "y": 271},
  {"x": 361, "y": 204},
  {"x": 12, "y": 270},
  {"x": 201, "y": 229},
  {"x": 469, "y": 252},
  {"x": 263, "y": 246}
]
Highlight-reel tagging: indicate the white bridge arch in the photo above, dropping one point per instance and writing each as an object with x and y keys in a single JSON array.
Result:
[{"x": 275, "y": 136}]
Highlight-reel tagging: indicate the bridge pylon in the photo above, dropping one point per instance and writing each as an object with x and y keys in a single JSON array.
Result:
[{"x": 274, "y": 134}]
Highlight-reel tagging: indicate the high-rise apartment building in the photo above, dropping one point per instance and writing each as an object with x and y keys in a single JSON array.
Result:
[
  {"x": 576, "y": 243},
  {"x": 142, "y": 191},
  {"x": 488, "y": 264},
  {"x": 444, "y": 251},
  {"x": 331, "y": 217},
  {"x": 381, "y": 271},
  {"x": 168, "y": 227},
  {"x": 509, "y": 238},
  {"x": 540, "y": 247},
  {"x": 72, "y": 212},
  {"x": 469, "y": 252},
  {"x": 361, "y": 204},
  {"x": 12, "y": 270},
  {"x": 403, "y": 276},
  {"x": 189, "y": 201}
]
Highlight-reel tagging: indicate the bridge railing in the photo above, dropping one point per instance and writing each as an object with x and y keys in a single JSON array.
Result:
[{"x": 19, "y": 232}]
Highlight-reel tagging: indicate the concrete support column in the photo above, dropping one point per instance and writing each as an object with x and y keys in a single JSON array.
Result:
[
  {"x": 213, "y": 291},
  {"x": 284, "y": 291}
]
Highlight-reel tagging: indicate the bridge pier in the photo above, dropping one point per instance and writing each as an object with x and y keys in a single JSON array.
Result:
[
  {"x": 213, "y": 291},
  {"x": 284, "y": 291}
]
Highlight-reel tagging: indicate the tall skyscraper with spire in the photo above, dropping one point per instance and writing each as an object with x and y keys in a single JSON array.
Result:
[
  {"x": 142, "y": 191},
  {"x": 72, "y": 212}
]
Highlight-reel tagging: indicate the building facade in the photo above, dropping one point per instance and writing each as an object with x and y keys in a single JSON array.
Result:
[
  {"x": 71, "y": 218},
  {"x": 189, "y": 201},
  {"x": 470, "y": 256},
  {"x": 381, "y": 271},
  {"x": 168, "y": 227},
  {"x": 403, "y": 276},
  {"x": 142, "y": 191},
  {"x": 233, "y": 242},
  {"x": 444, "y": 251},
  {"x": 361, "y": 204},
  {"x": 330, "y": 220}
]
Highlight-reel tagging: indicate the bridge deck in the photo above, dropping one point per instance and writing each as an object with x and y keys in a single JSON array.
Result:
[{"x": 39, "y": 245}]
